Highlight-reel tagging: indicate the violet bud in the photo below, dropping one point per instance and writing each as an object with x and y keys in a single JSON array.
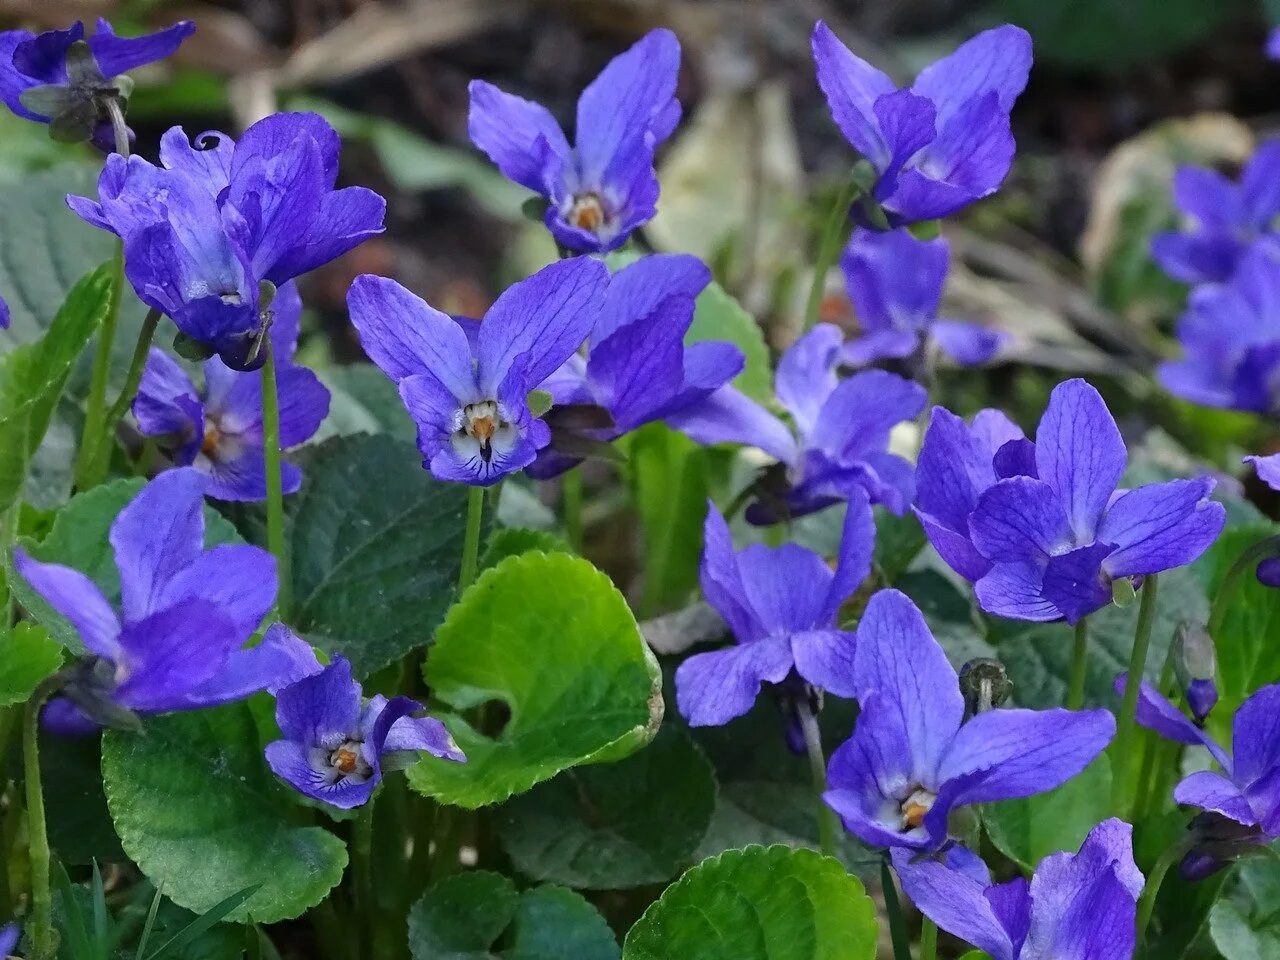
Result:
[
  {"x": 1268, "y": 572},
  {"x": 1196, "y": 662}
]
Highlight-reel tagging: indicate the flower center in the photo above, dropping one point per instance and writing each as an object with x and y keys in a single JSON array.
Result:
[
  {"x": 349, "y": 761},
  {"x": 587, "y": 212},
  {"x": 481, "y": 422},
  {"x": 212, "y": 437},
  {"x": 917, "y": 805}
]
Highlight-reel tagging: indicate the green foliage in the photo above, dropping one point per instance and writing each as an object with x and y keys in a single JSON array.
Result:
[
  {"x": 513, "y": 541},
  {"x": 79, "y": 825},
  {"x": 27, "y": 656},
  {"x": 718, "y": 316},
  {"x": 363, "y": 400},
  {"x": 1246, "y": 924},
  {"x": 899, "y": 541},
  {"x": 551, "y": 637}
]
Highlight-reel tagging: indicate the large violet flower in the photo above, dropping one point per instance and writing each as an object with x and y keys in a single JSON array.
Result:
[
  {"x": 913, "y": 758},
  {"x": 204, "y": 230},
  {"x": 218, "y": 429},
  {"x": 186, "y": 613},
  {"x": 781, "y": 604},
  {"x": 943, "y": 143},
  {"x": 470, "y": 402},
  {"x": 1078, "y": 905},
  {"x": 605, "y": 186},
  {"x": 843, "y": 429},
  {"x": 337, "y": 744},
  {"x": 1223, "y": 218},
  {"x": 895, "y": 284},
  {"x": 637, "y": 366}
]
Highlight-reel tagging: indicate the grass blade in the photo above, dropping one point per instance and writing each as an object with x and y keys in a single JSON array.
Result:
[{"x": 203, "y": 923}]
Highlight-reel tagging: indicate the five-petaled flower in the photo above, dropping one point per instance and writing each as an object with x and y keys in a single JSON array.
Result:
[
  {"x": 1076, "y": 905},
  {"x": 781, "y": 605},
  {"x": 337, "y": 744},
  {"x": 219, "y": 429},
  {"x": 205, "y": 230},
  {"x": 470, "y": 399},
  {"x": 605, "y": 186},
  {"x": 913, "y": 759},
  {"x": 944, "y": 142},
  {"x": 186, "y": 613}
]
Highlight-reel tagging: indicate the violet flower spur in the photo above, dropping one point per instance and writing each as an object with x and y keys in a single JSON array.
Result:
[
  {"x": 337, "y": 744},
  {"x": 470, "y": 402},
  {"x": 913, "y": 759},
  {"x": 843, "y": 431},
  {"x": 1223, "y": 218},
  {"x": 895, "y": 284},
  {"x": 944, "y": 142},
  {"x": 186, "y": 613},
  {"x": 781, "y": 605},
  {"x": 1242, "y": 804},
  {"x": 637, "y": 366},
  {"x": 218, "y": 429},
  {"x": 1077, "y": 905},
  {"x": 205, "y": 230},
  {"x": 1056, "y": 539},
  {"x": 605, "y": 186}
]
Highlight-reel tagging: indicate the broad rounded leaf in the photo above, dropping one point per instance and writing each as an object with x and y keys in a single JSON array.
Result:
[
  {"x": 761, "y": 903},
  {"x": 551, "y": 637},
  {"x": 27, "y": 656},
  {"x": 201, "y": 815},
  {"x": 513, "y": 541}
]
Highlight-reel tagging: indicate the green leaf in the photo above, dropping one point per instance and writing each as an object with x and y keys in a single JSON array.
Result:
[
  {"x": 464, "y": 918},
  {"x": 1028, "y": 830},
  {"x": 27, "y": 656},
  {"x": 78, "y": 539},
  {"x": 32, "y": 377},
  {"x": 718, "y": 316},
  {"x": 899, "y": 541},
  {"x": 513, "y": 541},
  {"x": 761, "y": 903},
  {"x": 551, "y": 637},
  {"x": 79, "y": 826},
  {"x": 362, "y": 400},
  {"x": 617, "y": 825},
  {"x": 1246, "y": 924},
  {"x": 199, "y": 812}
]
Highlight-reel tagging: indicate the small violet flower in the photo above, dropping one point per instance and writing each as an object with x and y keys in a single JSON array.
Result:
[
  {"x": 781, "y": 605},
  {"x": 1080, "y": 905},
  {"x": 470, "y": 401},
  {"x": 1242, "y": 804},
  {"x": 186, "y": 614},
  {"x": 4, "y": 314},
  {"x": 209, "y": 232},
  {"x": 1048, "y": 532},
  {"x": 843, "y": 431},
  {"x": 944, "y": 142},
  {"x": 337, "y": 744},
  {"x": 895, "y": 284},
  {"x": 913, "y": 759},
  {"x": 637, "y": 366},
  {"x": 1268, "y": 469},
  {"x": 10, "y": 934},
  {"x": 1222, "y": 218},
  {"x": 605, "y": 186},
  {"x": 219, "y": 429}
]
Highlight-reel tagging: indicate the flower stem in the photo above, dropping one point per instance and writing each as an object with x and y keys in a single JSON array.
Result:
[
  {"x": 275, "y": 482},
  {"x": 1264, "y": 548},
  {"x": 1154, "y": 751},
  {"x": 827, "y": 828},
  {"x": 828, "y": 250},
  {"x": 471, "y": 545},
  {"x": 362, "y": 872},
  {"x": 1129, "y": 706},
  {"x": 119, "y": 129},
  {"x": 893, "y": 907},
  {"x": 1147, "y": 902},
  {"x": 571, "y": 504},
  {"x": 928, "y": 940},
  {"x": 95, "y": 407},
  {"x": 1079, "y": 666},
  {"x": 43, "y": 938},
  {"x": 8, "y": 534}
]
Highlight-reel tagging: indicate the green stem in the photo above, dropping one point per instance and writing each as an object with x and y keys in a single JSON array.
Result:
[
  {"x": 928, "y": 940},
  {"x": 1129, "y": 706},
  {"x": 120, "y": 129},
  {"x": 95, "y": 408},
  {"x": 1246, "y": 562},
  {"x": 828, "y": 830},
  {"x": 893, "y": 907},
  {"x": 833, "y": 235},
  {"x": 1079, "y": 666},
  {"x": 362, "y": 873},
  {"x": 1147, "y": 902},
  {"x": 8, "y": 534},
  {"x": 571, "y": 505},
  {"x": 275, "y": 482},
  {"x": 43, "y": 938},
  {"x": 1154, "y": 744},
  {"x": 471, "y": 545}
]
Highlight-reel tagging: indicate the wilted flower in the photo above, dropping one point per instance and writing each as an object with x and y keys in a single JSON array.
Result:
[
  {"x": 895, "y": 283},
  {"x": 605, "y": 186},
  {"x": 913, "y": 759},
  {"x": 470, "y": 401},
  {"x": 781, "y": 605},
  {"x": 186, "y": 613},
  {"x": 219, "y": 219},
  {"x": 337, "y": 744},
  {"x": 943, "y": 143},
  {"x": 1077, "y": 904}
]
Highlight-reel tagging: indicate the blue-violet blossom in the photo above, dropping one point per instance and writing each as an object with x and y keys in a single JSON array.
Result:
[
  {"x": 1268, "y": 470},
  {"x": 10, "y": 934}
]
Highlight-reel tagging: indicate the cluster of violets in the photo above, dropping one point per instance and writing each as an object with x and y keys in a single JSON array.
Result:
[{"x": 214, "y": 235}]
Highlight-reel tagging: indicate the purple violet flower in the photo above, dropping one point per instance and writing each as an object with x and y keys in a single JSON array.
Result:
[
  {"x": 10, "y": 934},
  {"x": 1242, "y": 804},
  {"x": 913, "y": 758},
  {"x": 943, "y": 143},
  {"x": 637, "y": 366},
  {"x": 1222, "y": 218},
  {"x": 843, "y": 429},
  {"x": 187, "y": 613},
  {"x": 1079, "y": 905},
  {"x": 895, "y": 284},
  {"x": 204, "y": 230},
  {"x": 337, "y": 744},
  {"x": 4, "y": 314},
  {"x": 781, "y": 605},
  {"x": 605, "y": 186},
  {"x": 1273, "y": 44},
  {"x": 1268, "y": 470},
  {"x": 219, "y": 429},
  {"x": 470, "y": 401}
]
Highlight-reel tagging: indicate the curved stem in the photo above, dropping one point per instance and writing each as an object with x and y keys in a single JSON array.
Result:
[
  {"x": 828, "y": 830},
  {"x": 100, "y": 456},
  {"x": 1129, "y": 706},
  {"x": 828, "y": 251},
  {"x": 119, "y": 129},
  {"x": 8, "y": 534},
  {"x": 1248, "y": 560},
  {"x": 43, "y": 938},
  {"x": 928, "y": 940},
  {"x": 1079, "y": 666},
  {"x": 893, "y": 907},
  {"x": 1153, "y": 751},
  {"x": 1147, "y": 902},
  {"x": 92, "y": 434},
  {"x": 471, "y": 545},
  {"x": 571, "y": 505},
  {"x": 275, "y": 482}
]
